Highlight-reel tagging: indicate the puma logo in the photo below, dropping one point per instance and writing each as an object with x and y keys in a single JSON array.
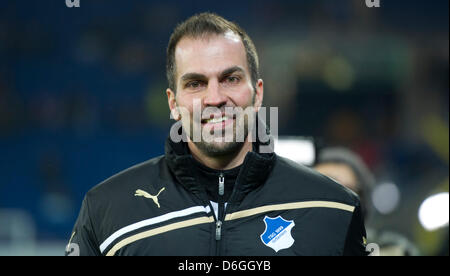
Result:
[{"x": 140, "y": 192}]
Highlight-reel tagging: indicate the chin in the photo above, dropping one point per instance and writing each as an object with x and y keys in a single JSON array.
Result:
[{"x": 217, "y": 149}]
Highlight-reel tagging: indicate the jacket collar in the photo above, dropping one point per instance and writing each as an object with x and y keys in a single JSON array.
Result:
[{"x": 255, "y": 169}]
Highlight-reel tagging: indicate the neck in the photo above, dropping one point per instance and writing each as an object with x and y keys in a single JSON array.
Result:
[{"x": 224, "y": 162}]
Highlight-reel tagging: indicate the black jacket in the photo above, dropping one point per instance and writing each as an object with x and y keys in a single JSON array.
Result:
[{"x": 277, "y": 207}]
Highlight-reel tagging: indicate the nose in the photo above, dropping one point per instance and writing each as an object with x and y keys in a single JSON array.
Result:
[{"x": 215, "y": 95}]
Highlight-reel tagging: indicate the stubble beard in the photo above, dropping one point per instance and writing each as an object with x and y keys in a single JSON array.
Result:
[
  {"x": 225, "y": 147},
  {"x": 221, "y": 145},
  {"x": 222, "y": 148}
]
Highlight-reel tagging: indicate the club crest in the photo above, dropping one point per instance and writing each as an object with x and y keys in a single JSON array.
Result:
[{"x": 278, "y": 233}]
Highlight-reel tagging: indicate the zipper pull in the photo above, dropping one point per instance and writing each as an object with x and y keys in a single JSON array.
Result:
[
  {"x": 221, "y": 184},
  {"x": 218, "y": 230}
]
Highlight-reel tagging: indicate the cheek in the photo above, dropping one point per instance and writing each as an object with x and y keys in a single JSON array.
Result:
[
  {"x": 184, "y": 104},
  {"x": 243, "y": 98}
]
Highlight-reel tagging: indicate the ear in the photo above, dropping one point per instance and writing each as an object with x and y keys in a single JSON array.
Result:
[
  {"x": 172, "y": 101},
  {"x": 259, "y": 94}
]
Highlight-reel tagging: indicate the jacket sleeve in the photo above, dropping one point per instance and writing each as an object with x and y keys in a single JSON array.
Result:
[
  {"x": 355, "y": 242},
  {"x": 83, "y": 241}
]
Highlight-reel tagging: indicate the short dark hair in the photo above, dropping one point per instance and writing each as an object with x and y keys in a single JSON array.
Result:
[{"x": 201, "y": 25}]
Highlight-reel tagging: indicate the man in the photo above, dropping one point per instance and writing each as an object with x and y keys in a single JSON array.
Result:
[
  {"x": 208, "y": 195},
  {"x": 348, "y": 169}
]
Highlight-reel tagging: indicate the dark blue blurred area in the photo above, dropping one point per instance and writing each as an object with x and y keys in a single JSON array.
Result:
[{"x": 82, "y": 90}]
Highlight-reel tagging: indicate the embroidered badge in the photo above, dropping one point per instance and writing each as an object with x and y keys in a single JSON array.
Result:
[{"x": 278, "y": 233}]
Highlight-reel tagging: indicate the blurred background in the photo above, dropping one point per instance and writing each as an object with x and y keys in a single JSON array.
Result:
[{"x": 82, "y": 97}]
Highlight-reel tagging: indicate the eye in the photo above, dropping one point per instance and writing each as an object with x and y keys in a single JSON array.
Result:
[
  {"x": 232, "y": 79},
  {"x": 194, "y": 84}
]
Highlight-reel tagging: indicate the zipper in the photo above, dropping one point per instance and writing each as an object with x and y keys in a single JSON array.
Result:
[
  {"x": 220, "y": 213},
  {"x": 221, "y": 184},
  {"x": 218, "y": 230}
]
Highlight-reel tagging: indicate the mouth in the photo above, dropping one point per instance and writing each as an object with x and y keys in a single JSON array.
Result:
[{"x": 218, "y": 122}]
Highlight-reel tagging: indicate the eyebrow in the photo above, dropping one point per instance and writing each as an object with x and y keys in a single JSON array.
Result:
[
  {"x": 231, "y": 70},
  {"x": 192, "y": 76},
  {"x": 198, "y": 76}
]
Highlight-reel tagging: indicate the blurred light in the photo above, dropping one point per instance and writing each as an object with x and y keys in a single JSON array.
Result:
[
  {"x": 433, "y": 212},
  {"x": 298, "y": 149},
  {"x": 385, "y": 197},
  {"x": 338, "y": 73}
]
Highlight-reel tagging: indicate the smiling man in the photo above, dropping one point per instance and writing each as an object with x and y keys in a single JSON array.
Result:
[
  {"x": 215, "y": 192},
  {"x": 212, "y": 71}
]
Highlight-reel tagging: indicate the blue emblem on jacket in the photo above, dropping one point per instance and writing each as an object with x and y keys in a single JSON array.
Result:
[{"x": 278, "y": 233}]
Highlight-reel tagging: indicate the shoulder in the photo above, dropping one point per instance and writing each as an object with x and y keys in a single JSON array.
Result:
[
  {"x": 307, "y": 184},
  {"x": 127, "y": 180},
  {"x": 112, "y": 204}
]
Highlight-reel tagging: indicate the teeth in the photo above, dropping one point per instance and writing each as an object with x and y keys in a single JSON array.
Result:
[{"x": 216, "y": 120}]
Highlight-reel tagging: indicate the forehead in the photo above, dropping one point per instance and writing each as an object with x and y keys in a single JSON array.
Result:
[{"x": 209, "y": 55}]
